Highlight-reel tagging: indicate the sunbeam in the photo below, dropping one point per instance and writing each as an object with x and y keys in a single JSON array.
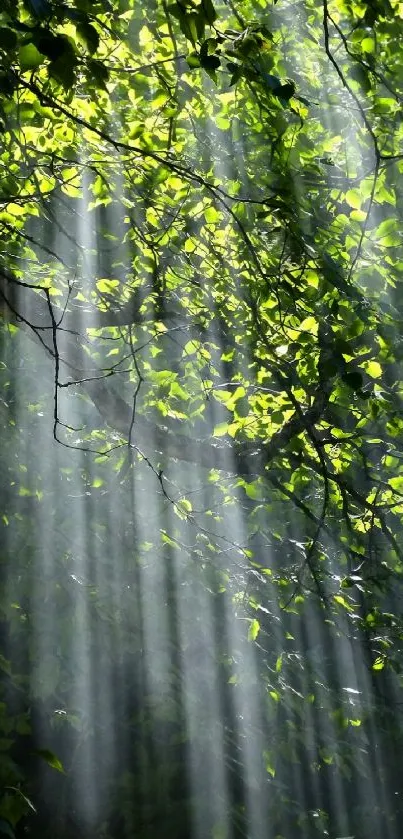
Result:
[{"x": 201, "y": 408}]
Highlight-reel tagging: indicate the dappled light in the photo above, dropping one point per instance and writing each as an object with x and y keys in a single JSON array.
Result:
[{"x": 201, "y": 412}]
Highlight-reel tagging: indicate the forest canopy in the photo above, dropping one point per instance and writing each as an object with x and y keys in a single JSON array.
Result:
[{"x": 202, "y": 412}]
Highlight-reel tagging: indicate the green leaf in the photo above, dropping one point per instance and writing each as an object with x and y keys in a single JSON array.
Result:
[
  {"x": 98, "y": 73},
  {"x": 251, "y": 490},
  {"x": 50, "y": 758},
  {"x": 342, "y": 602},
  {"x": 212, "y": 215},
  {"x": 387, "y": 227},
  {"x": 63, "y": 70},
  {"x": 242, "y": 407},
  {"x": 210, "y": 64},
  {"x": 360, "y": 74},
  {"x": 353, "y": 379},
  {"x": 209, "y": 11},
  {"x": 62, "y": 56},
  {"x": 285, "y": 91},
  {"x": 193, "y": 59},
  {"x": 30, "y": 58},
  {"x": 221, "y": 429},
  {"x": 275, "y": 695},
  {"x": 189, "y": 23},
  {"x": 368, "y": 45},
  {"x": 373, "y": 369},
  {"x": 88, "y": 35},
  {"x": 354, "y": 198},
  {"x": 254, "y": 629},
  {"x": 53, "y": 46},
  {"x": 358, "y": 215}
]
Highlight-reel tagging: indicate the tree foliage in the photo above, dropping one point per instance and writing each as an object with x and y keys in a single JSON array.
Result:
[{"x": 201, "y": 217}]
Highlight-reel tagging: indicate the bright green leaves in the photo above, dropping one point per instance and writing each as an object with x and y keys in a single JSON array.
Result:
[
  {"x": 252, "y": 489},
  {"x": 268, "y": 758},
  {"x": 51, "y": 41},
  {"x": 265, "y": 256},
  {"x": 275, "y": 696},
  {"x": 368, "y": 45},
  {"x": 221, "y": 429},
  {"x": 353, "y": 198},
  {"x": 373, "y": 369},
  {"x": 243, "y": 418},
  {"x": 254, "y": 629},
  {"x": 107, "y": 286},
  {"x": 342, "y": 601},
  {"x": 387, "y": 234},
  {"x": 30, "y": 57},
  {"x": 212, "y": 215},
  {"x": 183, "y": 508}
]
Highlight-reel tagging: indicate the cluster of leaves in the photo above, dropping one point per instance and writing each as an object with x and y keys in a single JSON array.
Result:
[
  {"x": 61, "y": 37},
  {"x": 203, "y": 205}
]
